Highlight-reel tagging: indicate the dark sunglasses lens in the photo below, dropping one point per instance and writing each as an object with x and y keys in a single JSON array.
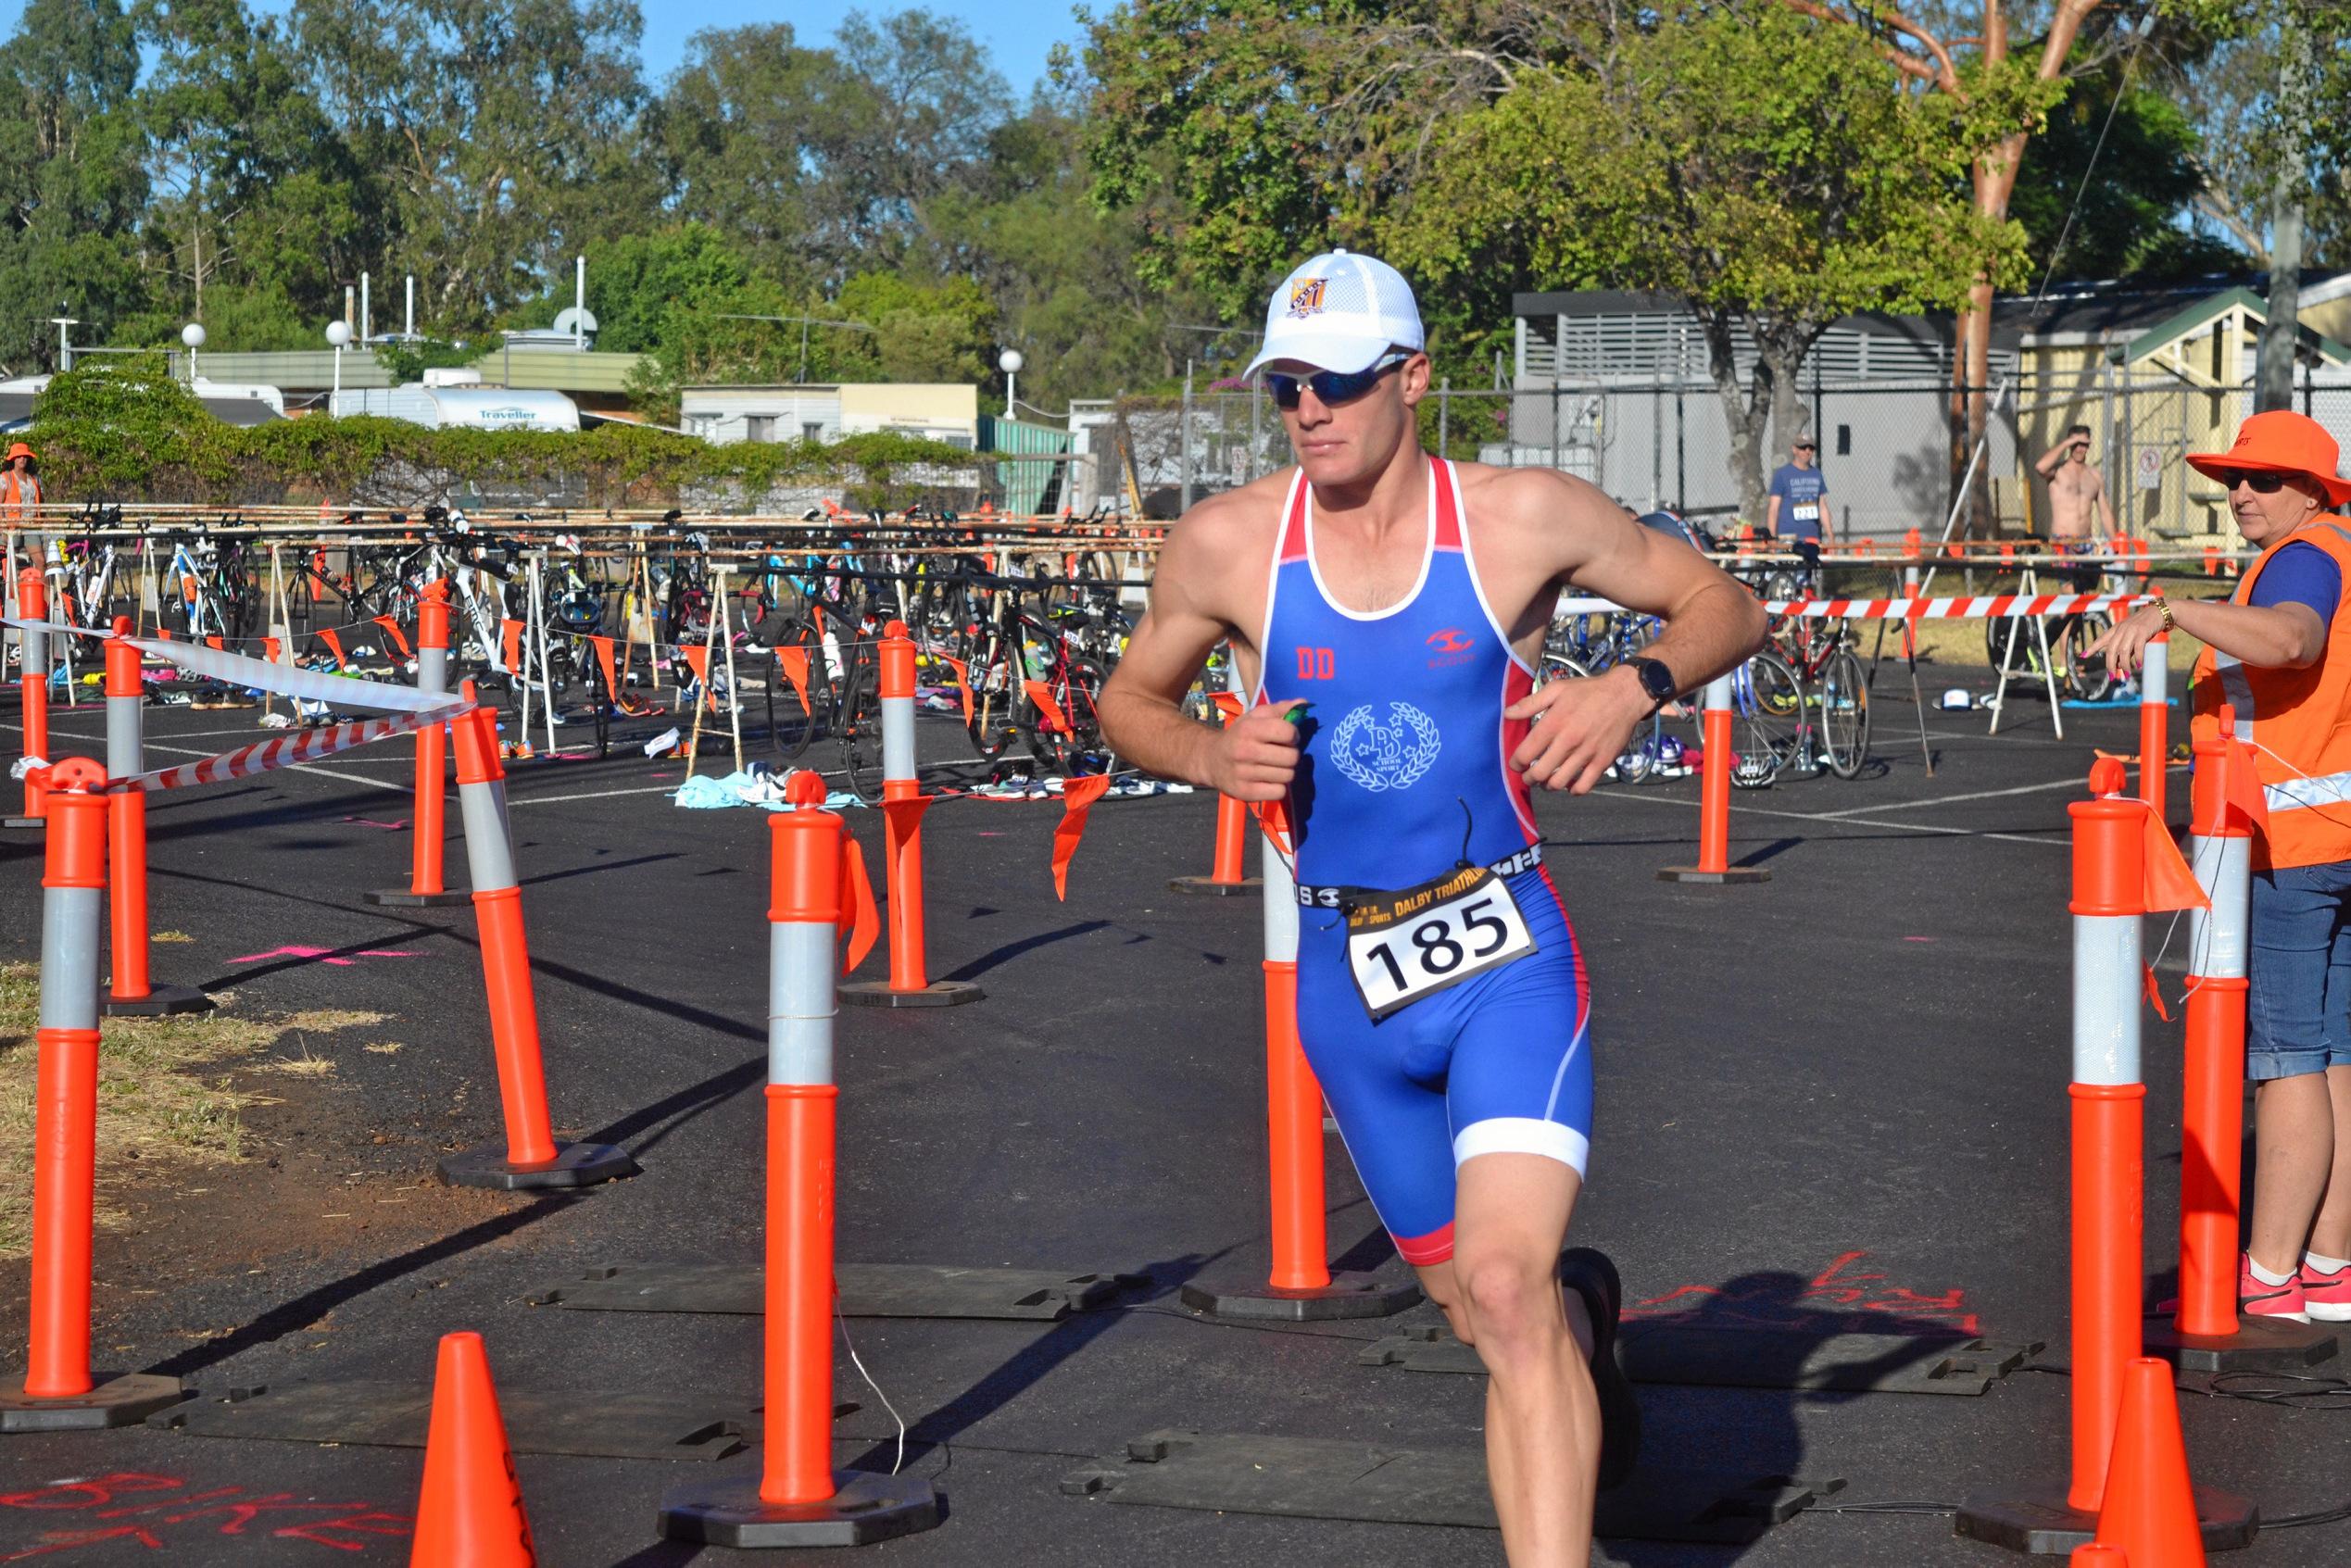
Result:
[
  {"x": 1284, "y": 388},
  {"x": 1331, "y": 387},
  {"x": 2259, "y": 484}
]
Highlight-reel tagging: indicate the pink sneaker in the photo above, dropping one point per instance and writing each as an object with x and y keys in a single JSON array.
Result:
[
  {"x": 2328, "y": 1297},
  {"x": 2255, "y": 1299}
]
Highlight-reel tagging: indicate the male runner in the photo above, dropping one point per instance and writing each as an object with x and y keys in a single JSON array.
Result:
[
  {"x": 2078, "y": 499},
  {"x": 1388, "y": 610}
]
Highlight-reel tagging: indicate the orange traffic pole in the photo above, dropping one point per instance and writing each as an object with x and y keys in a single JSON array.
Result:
[
  {"x": 1300, "y": 1286},
  {"x": 134, "y": 991},
  {"x": 59, "y": 1390},
  {"x": 903, "y": 805},
  {"x": 2207, "y": 1334},
  {"x": 1714, "y": 797},
  {"x": 532, "y": 1157},
  {"x": 2109, "y": 901},
  {"x": 427, "y": 822},
  {"x": 2155, "y": 721},
  {"x": 33, "y": 671},
  {"x": 1227, "y": 875},
  {"x": 798, "y": 1499}
]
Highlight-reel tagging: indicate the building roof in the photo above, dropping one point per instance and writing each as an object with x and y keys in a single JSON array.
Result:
[{"x": 1933, "y": 328}]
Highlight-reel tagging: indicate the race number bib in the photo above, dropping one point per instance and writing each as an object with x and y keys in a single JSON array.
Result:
[
  {"x": 1401, "y": 946},
  {"x": 1807, "y": 511}
]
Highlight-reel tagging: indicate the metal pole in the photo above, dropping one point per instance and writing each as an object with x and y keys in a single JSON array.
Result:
[
  {"x": 1444, "y": 417},
  {"x": 1184, "y": 440}
]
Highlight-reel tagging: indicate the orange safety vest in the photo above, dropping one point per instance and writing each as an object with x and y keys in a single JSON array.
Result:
[
  {"x": 2298, "y": 719},
  {"x": 13, "y": 499}
]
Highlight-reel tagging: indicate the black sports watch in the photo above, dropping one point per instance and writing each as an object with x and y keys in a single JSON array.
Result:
[{"x": 1656, "y": 680}]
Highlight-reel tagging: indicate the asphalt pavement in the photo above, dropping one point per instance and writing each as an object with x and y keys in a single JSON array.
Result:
[{"x": 1838, "y": 1092}]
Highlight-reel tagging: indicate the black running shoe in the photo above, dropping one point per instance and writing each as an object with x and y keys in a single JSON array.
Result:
[{"x": 1590, "y": 1274}]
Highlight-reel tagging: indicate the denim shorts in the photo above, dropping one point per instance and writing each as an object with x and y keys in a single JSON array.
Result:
[{"x": 2298, "y": 1001}]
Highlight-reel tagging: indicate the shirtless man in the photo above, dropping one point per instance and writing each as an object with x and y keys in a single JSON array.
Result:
[
  {"x": 2076, "y": 493},
  {"x": 1388, "y": 611}
]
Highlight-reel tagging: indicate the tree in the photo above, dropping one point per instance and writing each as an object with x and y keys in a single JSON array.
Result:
[
  {"x": 71, "y": 182},
  {"x": 734, "y": 126},
  {"x": 253, "y": 188},
  {"x": 505, "y": 132},
  {"x": 1760, "y": 167},
  {"x": 2110, "y": 184}
]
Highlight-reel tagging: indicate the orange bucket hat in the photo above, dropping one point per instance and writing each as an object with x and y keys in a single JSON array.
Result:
[
  {"x": 19, "y": 450},
  {"x": 2280, "y": 442}
]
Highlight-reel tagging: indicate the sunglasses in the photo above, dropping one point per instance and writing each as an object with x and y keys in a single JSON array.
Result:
[
  {"x": 1332, "y": 388},
  {"x": 2260, "y": 482}
]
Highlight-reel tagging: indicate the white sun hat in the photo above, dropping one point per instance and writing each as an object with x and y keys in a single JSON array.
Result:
[{"x": 1339, "y": 312}]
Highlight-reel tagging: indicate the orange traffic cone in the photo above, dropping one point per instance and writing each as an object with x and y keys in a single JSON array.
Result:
[
  {"x": 2150, "y": 1511},
  {"x": 2097, "y": 1554},
  {"x": 470, "y": 1515}
]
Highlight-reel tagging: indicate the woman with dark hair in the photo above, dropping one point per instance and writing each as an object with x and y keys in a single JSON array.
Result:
[{"x": 19, "y": 485}]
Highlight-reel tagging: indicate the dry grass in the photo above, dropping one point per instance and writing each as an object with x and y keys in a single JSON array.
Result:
[
  {"x": 162, "y": 1094},
  {"x": 1960, "y": 645}
]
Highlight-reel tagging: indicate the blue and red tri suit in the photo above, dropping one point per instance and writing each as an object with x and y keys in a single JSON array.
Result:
[{"x": 1404, "y": 775}]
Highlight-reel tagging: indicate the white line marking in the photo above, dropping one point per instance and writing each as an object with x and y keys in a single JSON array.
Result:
[{"x": 1860, "y": 821}]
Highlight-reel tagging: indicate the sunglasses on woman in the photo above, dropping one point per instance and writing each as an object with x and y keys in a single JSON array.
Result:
[
  {"x": 1332, "y": 388},
  {"x": 2261, "y": 482}
]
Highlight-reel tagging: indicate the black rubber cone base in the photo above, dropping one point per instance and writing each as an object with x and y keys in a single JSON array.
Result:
[
  {"x": 1734, "y": 874},
  {"x": 2039, "y": 1520},
  {"x": 120, "y": 1399},
  {"x": 1210, "y": 887},
  {"x": 161, "y": 1001},
  {"x": 575, "y": 1165},
  {"x": 401, "y": 898},
  {"x": 867, "y": 1509},
  {"x": 2259, "y": 1345},
  {"x": 937, "y": 994},
  {"x": 23, "y": 824},
  {"x": 1347, "y": 1296}
]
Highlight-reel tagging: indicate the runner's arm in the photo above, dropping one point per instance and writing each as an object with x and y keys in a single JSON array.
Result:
[
  {"x": 2280, "y": 637},
  {"x": 1141, "y": 706}
]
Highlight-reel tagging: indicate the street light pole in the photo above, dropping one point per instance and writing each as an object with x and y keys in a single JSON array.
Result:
[{"x": 337, "y": 335}]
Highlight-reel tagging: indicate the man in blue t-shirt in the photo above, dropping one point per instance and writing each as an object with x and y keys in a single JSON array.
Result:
[{"x": 1799, "y": 498}]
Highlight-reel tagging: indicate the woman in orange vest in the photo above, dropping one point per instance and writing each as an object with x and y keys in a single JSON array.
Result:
[
  {"x": 2278, "y": 651},
  {"x": 19, "y": 486}
]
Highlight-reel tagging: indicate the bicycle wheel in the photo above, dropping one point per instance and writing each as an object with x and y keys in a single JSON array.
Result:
[
  {"x": 2088, "y": 679},
  {"x": 1558, "y": 667},
  {"x": 1770, "y": 724},
  {"x": 1072, "y": 746},
  {"x": 797, "y": 711},
  {"x": 1844, "y": 713},
  {"x": 860, "y": 723},
  {"x": 993, "y": 674}
]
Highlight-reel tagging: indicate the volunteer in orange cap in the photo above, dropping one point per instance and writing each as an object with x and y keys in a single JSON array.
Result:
[
  {"x": 2278, "y": 651},
  {"x": 19, "y": 485}
]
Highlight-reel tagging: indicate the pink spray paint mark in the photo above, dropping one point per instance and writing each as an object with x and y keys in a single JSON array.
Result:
[
  {"x": 989, "y": 832},
  {"x": 321, "y": 954},
  {"x": 372, "y": 822},
  {"x": 1917, "y": 939}
]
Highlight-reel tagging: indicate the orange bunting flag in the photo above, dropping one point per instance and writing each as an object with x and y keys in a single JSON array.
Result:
[
  {"x": 400, "y": 638},
  {"x": 1039, "y": 694},
  {"x": 603, "y": 647},
  {"x": 215, "y": 645},
  {"x": 698, "y": 659},
  {"x": 164, "y": 632},
  {"x": 858, "y": 916},
  {"x": 2241, "y": 784},
  {"x": 2155, "y": 996},
  {"x": 270, "y": 650},
  {"x": 334, "y": 647},
  {"x": 962, "y": 684},
  {"x": 510, "y": 640},
  {"x": 1077, "y": 799},
  {"x": 1274, "y": 817},
  {"x": 794, "y": 663},
  {"x": 1230, "y": 705},
  {"x": 2169, "y": 883}
]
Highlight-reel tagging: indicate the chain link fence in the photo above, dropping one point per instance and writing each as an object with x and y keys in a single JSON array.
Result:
[{"x": 1886, "y": 447}]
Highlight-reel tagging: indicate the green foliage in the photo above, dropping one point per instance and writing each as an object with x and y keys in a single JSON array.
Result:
[
  {"x": 407, "y": 362},
  {"x": 125, "y": 429}
]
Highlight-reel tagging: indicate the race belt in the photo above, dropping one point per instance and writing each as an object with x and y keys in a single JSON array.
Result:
[{"x": 1527, "y": 859}]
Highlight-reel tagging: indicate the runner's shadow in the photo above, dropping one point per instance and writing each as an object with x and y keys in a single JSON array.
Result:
[{"x": 1749, "y": 1345}]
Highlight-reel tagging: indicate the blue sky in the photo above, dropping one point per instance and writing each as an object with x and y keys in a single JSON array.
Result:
[{"x": 1019, "y": 34}]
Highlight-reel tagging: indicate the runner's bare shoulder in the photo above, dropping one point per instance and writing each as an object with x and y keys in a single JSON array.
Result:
[
  {"x": 1228, "y": 536},
  {"x": 1538, "y": 517}
]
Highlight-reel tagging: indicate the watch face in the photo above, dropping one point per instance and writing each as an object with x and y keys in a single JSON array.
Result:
[{"x": 1656, "y": 679}]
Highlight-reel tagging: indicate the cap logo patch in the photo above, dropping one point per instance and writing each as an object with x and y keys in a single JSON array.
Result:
[{"x": 1306, "y": 297}]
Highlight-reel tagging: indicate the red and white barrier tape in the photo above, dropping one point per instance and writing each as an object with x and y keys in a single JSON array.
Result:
[
  {"x": 284, "y": 751},
  {"x": 260, "y": 674},
  {"x": 1980, "y": 607}
]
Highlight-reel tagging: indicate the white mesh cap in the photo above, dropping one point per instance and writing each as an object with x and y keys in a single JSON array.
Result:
[{"x": 1339, "y": 312}]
